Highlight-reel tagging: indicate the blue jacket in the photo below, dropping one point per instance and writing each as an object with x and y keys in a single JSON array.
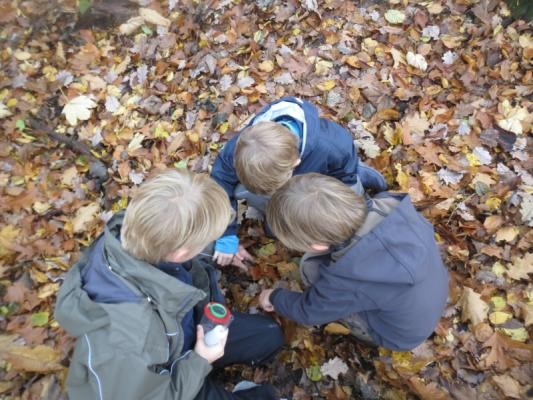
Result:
[
  {"x": 392, "y": 277},
  {"x": 325, "y": 147}
]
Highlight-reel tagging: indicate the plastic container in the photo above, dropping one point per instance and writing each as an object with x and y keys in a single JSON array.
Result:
[{"x": 215, "y": 321}]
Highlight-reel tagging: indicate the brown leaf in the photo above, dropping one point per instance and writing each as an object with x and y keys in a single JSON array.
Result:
[
  {"x": 508, "y": 386},
  {"x": 473, "y": 308},
  {"x": 38, "y": 359},
  {"x": 430, "y": 391}
]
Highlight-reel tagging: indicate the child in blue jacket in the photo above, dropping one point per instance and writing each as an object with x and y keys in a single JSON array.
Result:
[
  {"x": 374, "y": 265},
  {"x": 286, "y": 138}
]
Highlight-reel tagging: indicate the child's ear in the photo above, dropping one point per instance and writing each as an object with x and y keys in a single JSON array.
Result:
[
  {"x": 178, "y": 256},
  {"x": 319, "y": 247}
]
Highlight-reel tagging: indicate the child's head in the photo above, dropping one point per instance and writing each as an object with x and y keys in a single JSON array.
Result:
[
  {"x": 175, "y": 213},
  {"x": 265, "y": 156},
  {"x": 313, "y": 210}
]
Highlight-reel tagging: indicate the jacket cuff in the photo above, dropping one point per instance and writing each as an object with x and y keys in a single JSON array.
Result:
[
  {"x": 202, "y": 365},
  {"x": 274, "y": 295},
  {"x": 227, "y": 244}
]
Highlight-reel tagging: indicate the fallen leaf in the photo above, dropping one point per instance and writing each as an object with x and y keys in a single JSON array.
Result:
[
  {"x": 84, "y": 216},
  {"x": 395, "y": 16},
  {"x": 153, "y": 17},
  {"x": 508, "y": 386},
  {"x": 499, "y": 317},
  {"x": 334, "y": 368},
  {"x": 131, "y": 25},
  {"x": 79, "y": 108},
  {"x": 417, "y": 60},
  {"x": 507, "y": 234},
  {"x": 41, "y": 359},
  {"x": 334, "y": 328},
  {"x": 473, "y": 308}
]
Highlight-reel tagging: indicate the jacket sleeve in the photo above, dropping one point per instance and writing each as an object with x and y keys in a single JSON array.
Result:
[
  {"x": 126, "y": 376},
  {"x": 342, "y": 157},
  {"x": 320, "y": 303},
  {"x": 224, "y": 174}
]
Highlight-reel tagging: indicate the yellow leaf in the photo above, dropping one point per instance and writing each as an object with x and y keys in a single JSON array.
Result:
[
  {"x": 326, "y": 85},
  {"x": 266, "y": 66},
  {"x": 519, "y": 334},
  {"x": 499, "y": 302},
  {"x": 12, "y": 102},
  {"x": 223, "y": 128},
  {"x": 335, "y": 328},
  {"x": 498, "y": 268},
  {"x": 7, "y": 235},
  {"x": 507, "y": 233},
  {"x": 84, "y": 216},
  {"x": 499, "y": 317},
  {"x": 48, "y": 290},
  {"x": 493, "y": 203},
  {"x": 22, "y": 55},
  {"x": 50, "y": 73},
  {"x": 401, "y": 177},
  {"x": 322, "y": 67},
  {"x": 160, "y": 131},
  {"x": 40, "y": 208}
]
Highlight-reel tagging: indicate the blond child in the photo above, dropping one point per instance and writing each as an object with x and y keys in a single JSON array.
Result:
[{"x": 134, "y": 300}]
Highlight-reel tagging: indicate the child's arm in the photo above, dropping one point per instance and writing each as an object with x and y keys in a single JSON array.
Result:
[
  {"x": 224, "y": 174},
  {"x": 341, "y": 153},
  {"x": 318, "y": 304}
]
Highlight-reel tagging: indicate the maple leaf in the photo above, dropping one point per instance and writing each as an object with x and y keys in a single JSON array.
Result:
[
  {"x": 84, "y": 216},
  {"x": 153, "y": 17},
  {"x": 473, "y": 308},
  {"x": 79, "y": 108},
  {"x": 334, "y": 368},
  {"x": 498, "y": 353},
  {"x": 508, "y": 386},
  {"x": 521, "y": 267}
]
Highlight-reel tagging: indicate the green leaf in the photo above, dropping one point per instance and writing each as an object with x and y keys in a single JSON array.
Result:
[
  {"x": 83, "y": 6},
  {"x": 266, "y": 250},
  {"x": 181, "y": 164},
  {"x": 20, "y": 124},
  {"x": 313, "y": 373},
  {"x": 40, "y": 318},
  {"x": 147, "y": 30}
]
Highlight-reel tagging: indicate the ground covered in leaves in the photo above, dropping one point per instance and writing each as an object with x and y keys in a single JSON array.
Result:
[{"x": 436, "y": 93}]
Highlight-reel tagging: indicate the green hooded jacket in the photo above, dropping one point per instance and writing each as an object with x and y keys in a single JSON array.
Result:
[{"x": 129, "y": 350}]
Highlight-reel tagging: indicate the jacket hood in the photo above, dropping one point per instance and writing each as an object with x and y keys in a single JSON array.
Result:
[
  {"x": 393, "y": 229},
  {"x": 107, "y": 275},
  {"x": 300, "y": 110}
]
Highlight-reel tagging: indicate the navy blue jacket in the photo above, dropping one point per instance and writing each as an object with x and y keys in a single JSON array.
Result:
[
  {"x": 392, "y": 277},
  {"x": 325, "y": 147}
]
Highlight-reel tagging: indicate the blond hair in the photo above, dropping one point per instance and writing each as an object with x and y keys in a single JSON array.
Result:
[
  {"x": 265, "y": 155},
  {"x": 315, "y": 209},
  {"x": 173, "y": 210}
]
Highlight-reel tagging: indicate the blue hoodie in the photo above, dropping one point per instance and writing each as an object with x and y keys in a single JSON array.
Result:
[
  {"x": 325, "y": 147},
  {"x": 392, "y": 277}
]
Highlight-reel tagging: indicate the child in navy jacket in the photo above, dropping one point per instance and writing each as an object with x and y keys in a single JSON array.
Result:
[
  {"x": 373, "y": 265},
  {"x": 286, "y": 138}
]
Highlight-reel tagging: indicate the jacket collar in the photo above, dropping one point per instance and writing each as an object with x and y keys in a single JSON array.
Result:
[{"x": 153, "y": 284}]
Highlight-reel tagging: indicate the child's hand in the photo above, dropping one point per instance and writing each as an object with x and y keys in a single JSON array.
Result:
[
  {"x": 238, "y": 259},
  {"x": 264, "y": 300},
  {"x": 213, "y": 353}
]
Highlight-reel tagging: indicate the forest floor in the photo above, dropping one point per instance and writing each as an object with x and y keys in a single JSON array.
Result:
[{"x": 437, "y": 95}]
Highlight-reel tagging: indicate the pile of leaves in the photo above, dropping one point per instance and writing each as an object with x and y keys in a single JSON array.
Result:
[{"x": 437, "y": 96}]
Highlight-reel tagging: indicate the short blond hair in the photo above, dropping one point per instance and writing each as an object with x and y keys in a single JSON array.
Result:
[
  {"x": 315, "y": 209},
  {"x": 173, "y": 210},
  {"x": 265, "y": 155}
]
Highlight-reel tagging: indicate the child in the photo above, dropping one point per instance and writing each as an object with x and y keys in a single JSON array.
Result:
[
  {"x": 376, "y": 267},
  {"x": 286, "y": 138},
  {"x": 134, "y": 300}
]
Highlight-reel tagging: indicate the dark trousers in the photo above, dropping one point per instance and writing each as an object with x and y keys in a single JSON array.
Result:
[{"x": 253, "y": 340}]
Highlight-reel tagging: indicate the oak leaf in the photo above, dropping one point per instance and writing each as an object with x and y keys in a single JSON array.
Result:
[
  {"x": 79, "y": 108},
  {"x": 473, "y": 308}
]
